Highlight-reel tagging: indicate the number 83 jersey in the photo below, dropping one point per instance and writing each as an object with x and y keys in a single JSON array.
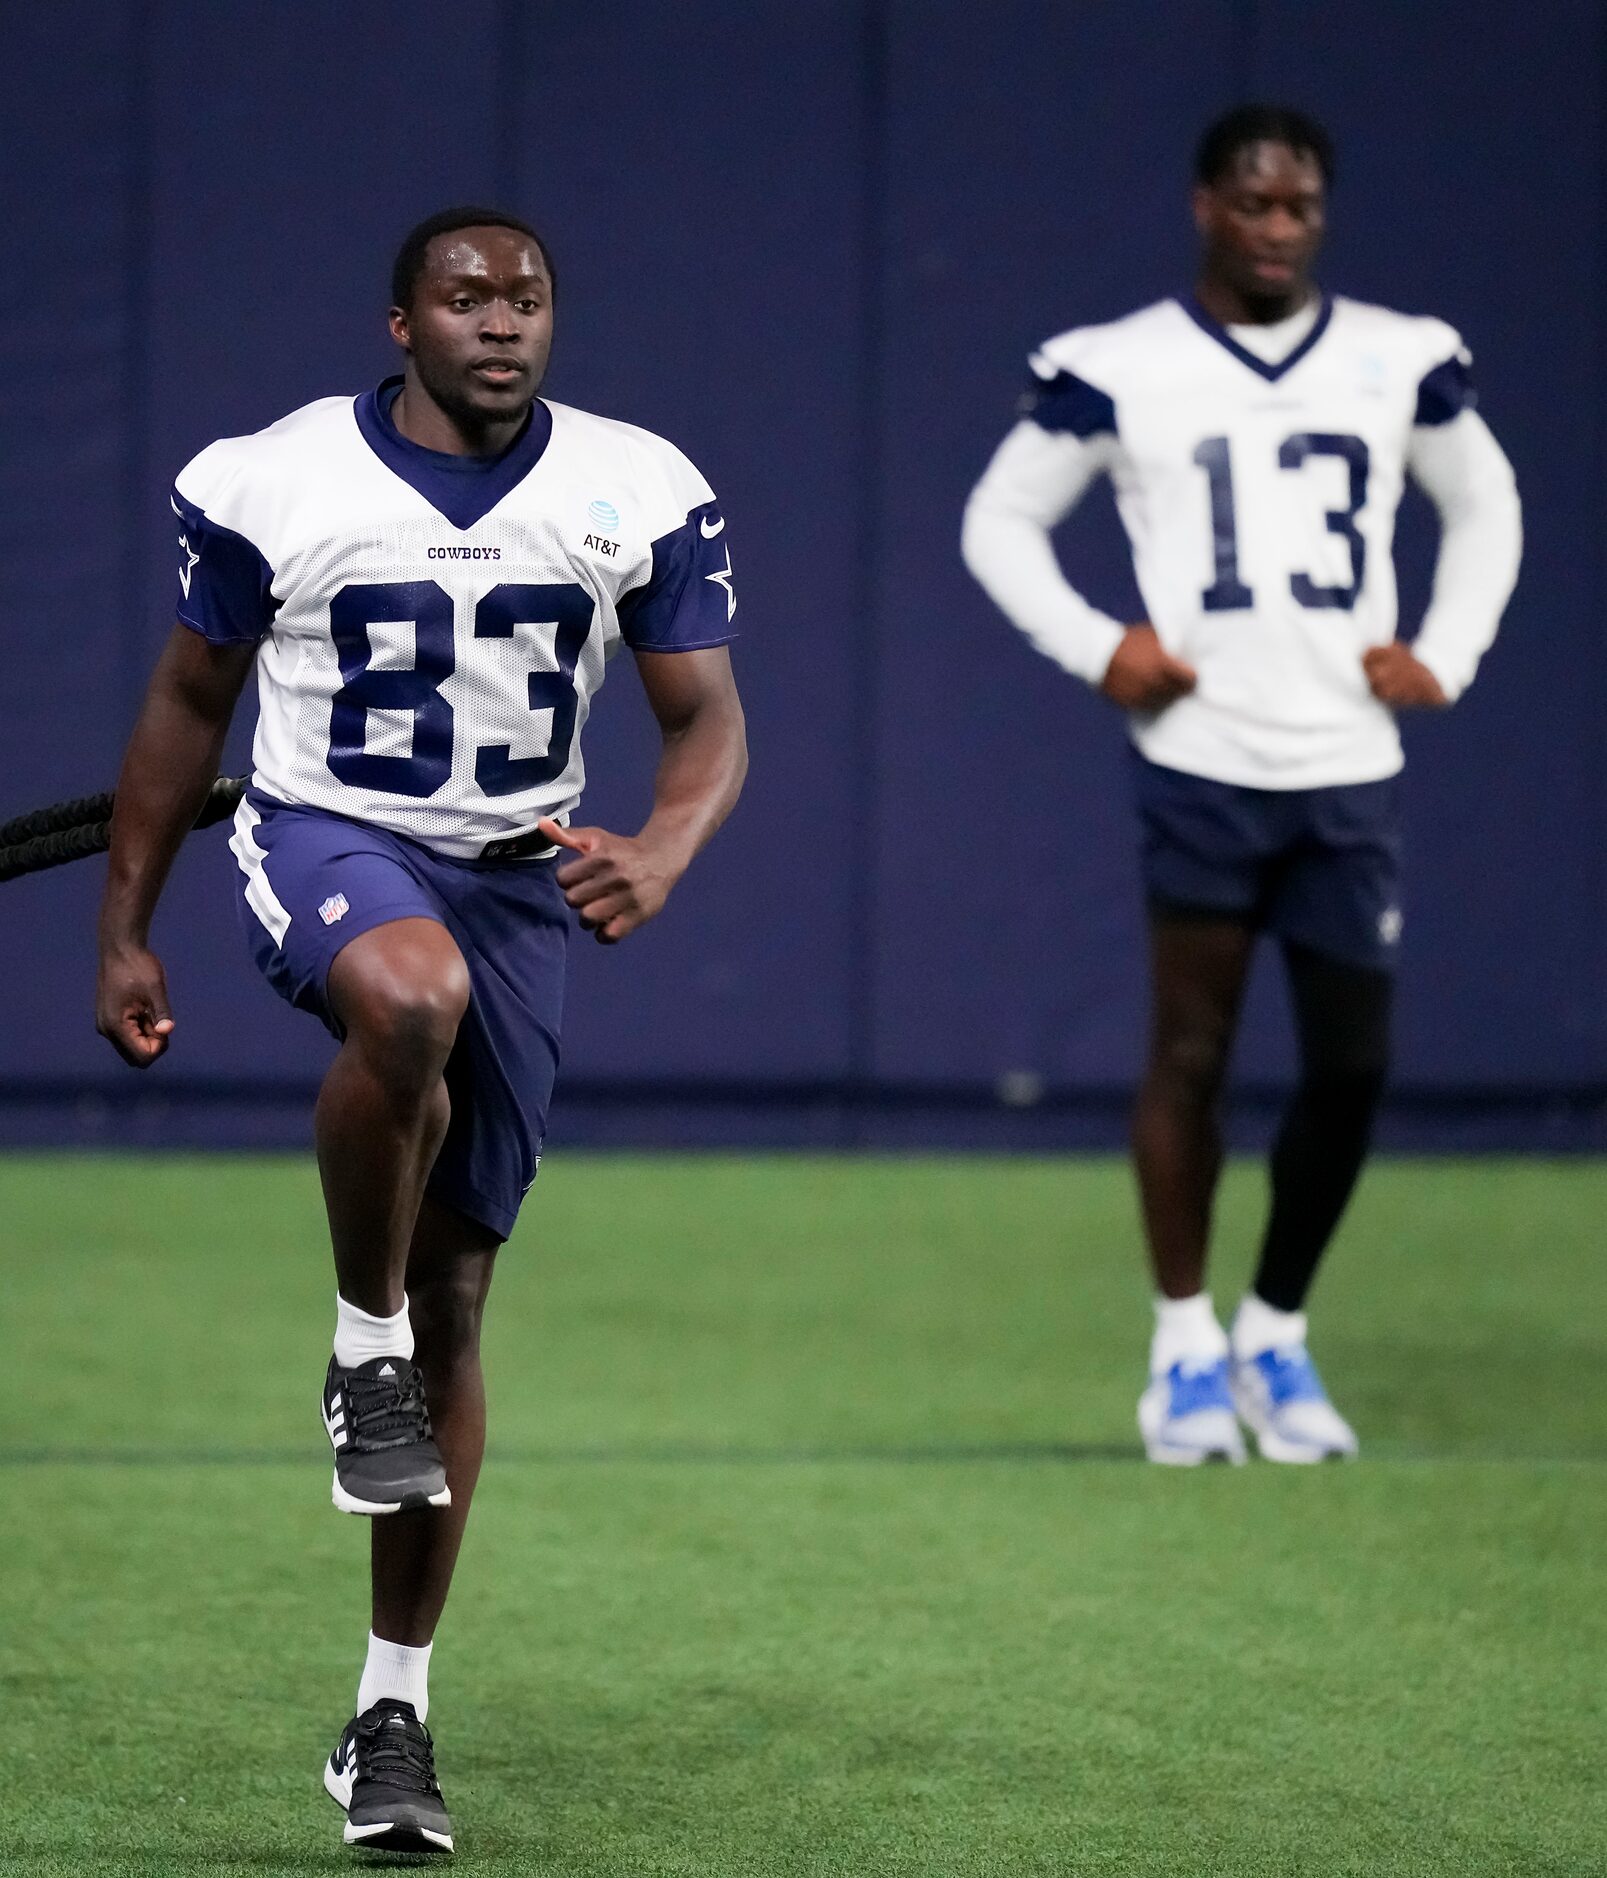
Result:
[
  {"x": 1259, "y": 498},
  {"x": 431, "y": 628}
]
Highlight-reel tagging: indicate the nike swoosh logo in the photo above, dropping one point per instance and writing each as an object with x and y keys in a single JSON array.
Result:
[{"x": 710, "y": 533}]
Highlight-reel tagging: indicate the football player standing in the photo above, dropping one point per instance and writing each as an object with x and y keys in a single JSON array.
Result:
[
  {"x": 427, "y": 580},
  {"x": 1258, "y": 432}
]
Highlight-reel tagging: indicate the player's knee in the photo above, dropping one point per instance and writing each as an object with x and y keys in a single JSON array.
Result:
[
  {"x": 1190, "y": 1061},
  {"x": 407, "y": 1019},
  {"x": 1345, "y": 1064},
  {"x": 1345, "y": 1030},
  {"x": 1348, "y": 1082}
]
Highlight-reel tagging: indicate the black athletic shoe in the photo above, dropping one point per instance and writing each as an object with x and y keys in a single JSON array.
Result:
[
  {"x": 383, "y": 1773},
  {"x": 386, "y": 1460}
]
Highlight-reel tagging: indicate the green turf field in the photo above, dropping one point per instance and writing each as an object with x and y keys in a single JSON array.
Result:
[{"x": 814, "y": 1538}]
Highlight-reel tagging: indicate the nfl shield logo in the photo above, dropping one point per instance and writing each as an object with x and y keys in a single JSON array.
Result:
[{"x": 335, "y": 907}]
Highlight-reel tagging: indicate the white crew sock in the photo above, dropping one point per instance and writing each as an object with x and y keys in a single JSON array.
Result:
[
  {"x": 1259, "y": 1326},
  {"x": 1186, "y": 1331},
  {"x": 395, "y": 1671},
  {"x": 359, "y": 1336}
]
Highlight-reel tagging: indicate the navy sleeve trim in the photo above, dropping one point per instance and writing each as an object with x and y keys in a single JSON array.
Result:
[
  {"x": 1067, "y": 404},
  {"x": 687, "y": 602},
  {"x": 1446, "y": 391},
  {"x": 698, "y": 645},
  {"x": 225, "y": 582}
]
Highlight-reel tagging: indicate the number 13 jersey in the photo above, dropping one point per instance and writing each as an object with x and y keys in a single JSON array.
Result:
[
  {"x": 431, "y": 628},
  {"x": 1259, "y": 498}
]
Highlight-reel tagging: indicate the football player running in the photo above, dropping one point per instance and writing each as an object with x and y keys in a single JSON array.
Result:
[
  {"x": 1258, "y": 432},
  {"x": 427, "y": 580}
]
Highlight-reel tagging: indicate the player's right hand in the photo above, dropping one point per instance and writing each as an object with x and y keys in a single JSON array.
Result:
[
  {"x": 131, "y": 1008},
  {"x": 619, "y": 882},
  {"x": 1142, "y": 675}
]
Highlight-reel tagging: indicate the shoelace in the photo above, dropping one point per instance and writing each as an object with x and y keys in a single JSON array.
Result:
[
  {"x": 1199, "y": 1386},
  {"x": 1291, "y": 1376},
  {"x": 385, "y": 1411},
  {"x": 395, "y": 1749}
]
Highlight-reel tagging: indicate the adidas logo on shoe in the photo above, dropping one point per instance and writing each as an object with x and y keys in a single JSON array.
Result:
[{"x": 386, "y": 1457}]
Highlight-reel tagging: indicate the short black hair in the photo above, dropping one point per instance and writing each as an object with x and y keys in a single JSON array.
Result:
[
  {"x": 1261, "y": 123},
  {"x": 409, "y": 263}
]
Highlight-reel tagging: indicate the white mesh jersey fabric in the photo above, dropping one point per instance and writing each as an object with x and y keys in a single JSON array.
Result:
[
  {"x": 1260, "y": 506},
  {"x": 484, "y": 737}
]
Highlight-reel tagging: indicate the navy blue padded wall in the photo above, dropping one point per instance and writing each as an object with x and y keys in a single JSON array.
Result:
[
  {"x": 1030, "y": 188},
  {"x": 279, "y": 187},
  {"x": 261, "y": 193},
  {"x": 1038, "y": 179},
  {"x": 252, "y": 197},
  {"x": 813, "y": 249},
  {"x": 700, "y": 170},
  {"x": 1472, "y": 187},
  {"x": 69, "y": 417}
]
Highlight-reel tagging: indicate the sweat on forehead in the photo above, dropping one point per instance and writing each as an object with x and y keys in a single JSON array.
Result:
[
  {"x": 480, "y": 251},
  {"x": 1251, "y": 126},
  {"x": 1269, "y": 156},
  {"x": 468, "y": 224}
]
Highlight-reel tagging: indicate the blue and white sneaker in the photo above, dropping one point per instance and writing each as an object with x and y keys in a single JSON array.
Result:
[
  {"x": 1186, "y": 1415},
  {"x": 1280, "y": 1399}
]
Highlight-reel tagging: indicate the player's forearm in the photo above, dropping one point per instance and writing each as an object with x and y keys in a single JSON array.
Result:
[
  {"x": 1036, "y": 478},
  {"x": 700, "y": 775},
  {"x": 1466, "y": 474},
  {"x": 171, "y": 762},
  {"x": 1013, "y": 559}
]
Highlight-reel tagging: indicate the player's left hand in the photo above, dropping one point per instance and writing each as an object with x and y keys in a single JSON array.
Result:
[
  {"x": 1401, "y": 680},
  {"x": 617, "y": 882}
]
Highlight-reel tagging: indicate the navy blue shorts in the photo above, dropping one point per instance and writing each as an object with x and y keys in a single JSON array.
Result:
[
  {"x": 311, "y": 882},
  {"x": 1316, "y": 867}
]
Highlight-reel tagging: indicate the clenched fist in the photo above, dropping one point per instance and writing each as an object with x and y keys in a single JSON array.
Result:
[
  {"x": 1401, "y": 680},
  {"x": 131, "y": 1008},
  {"x": 1143, "y": 675}
]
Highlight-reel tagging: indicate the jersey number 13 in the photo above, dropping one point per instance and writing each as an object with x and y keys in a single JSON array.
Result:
[{"x": 1228, "y": 593}]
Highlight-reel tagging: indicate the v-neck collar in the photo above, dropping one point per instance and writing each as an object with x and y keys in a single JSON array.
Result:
[
  {"x": 463, "y": 489},
  {"x": 1270, "y": 369}
]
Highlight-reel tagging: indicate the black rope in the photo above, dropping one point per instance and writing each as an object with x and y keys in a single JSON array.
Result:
[
  {"x": 59, "y": 815},
  {"x": 223, "y": 798},
  {"x": 71, "y": 831},
  {"x": 55, "y": 850}
]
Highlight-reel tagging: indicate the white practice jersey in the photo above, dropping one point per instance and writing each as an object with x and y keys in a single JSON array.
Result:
[
  {"x": 1259, "y": 497},
  {"x": 431, "y": 628}
]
